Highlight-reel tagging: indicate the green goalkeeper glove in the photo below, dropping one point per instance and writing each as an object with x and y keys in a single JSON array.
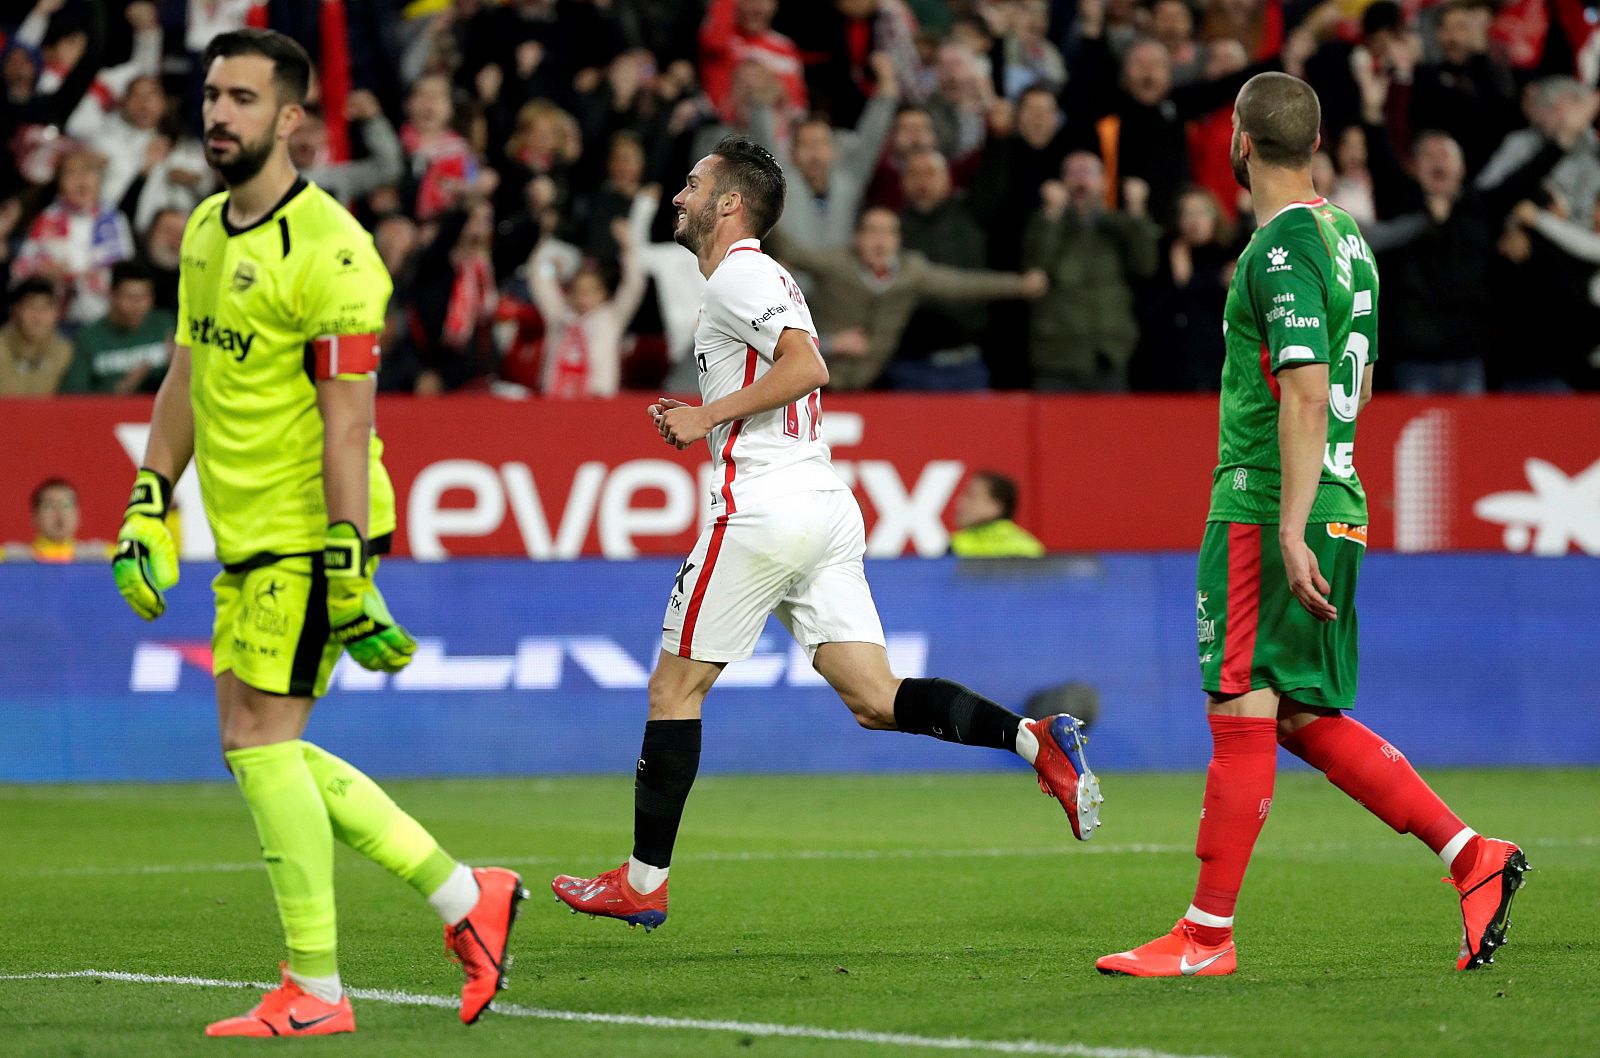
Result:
[
  {"x": 146, "y": 562},
  {"x": 357, "y": 615}
]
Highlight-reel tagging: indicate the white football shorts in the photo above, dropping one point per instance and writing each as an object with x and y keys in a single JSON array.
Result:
[{"x": 797, "y": 556}]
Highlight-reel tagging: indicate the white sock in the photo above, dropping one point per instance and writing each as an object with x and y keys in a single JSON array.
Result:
[
  {"x": 1027, "y": 745},
  {"x": 455, "y": 899},
  {"x": 328, "y": 989},
  {"x": 1206, "y": 918},
  {"x": 1453, "y": 847},
  {"x": 644, "y": 878}
]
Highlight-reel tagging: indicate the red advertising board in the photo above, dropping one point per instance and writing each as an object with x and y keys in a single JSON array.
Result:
[{"x": 483, "y": 476}]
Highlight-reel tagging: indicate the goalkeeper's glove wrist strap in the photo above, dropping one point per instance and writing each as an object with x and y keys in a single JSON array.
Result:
[
  {"x": 152, "y": 494},
  {"x": 344, "y": 553}
]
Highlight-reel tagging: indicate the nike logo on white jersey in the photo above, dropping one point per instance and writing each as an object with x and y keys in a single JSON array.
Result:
[{"x": 1188, "y": 969}]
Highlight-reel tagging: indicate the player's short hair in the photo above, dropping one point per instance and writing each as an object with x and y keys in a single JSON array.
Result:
[
  {"x": 750, "y": 169},
  {"x": 1283, "y": 118},
  {"x": 37, "y": 496},
  {"x": 130, "y": 271},
  {"x": 291, "y": 66},
  {"x": 1002, "y": 489}
]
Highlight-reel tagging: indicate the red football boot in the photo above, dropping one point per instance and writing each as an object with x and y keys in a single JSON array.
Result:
[
  {"x": 289, "y": 1011},
  {"x": 1175, "y": 954},
  {"x": 611, "y": 895},
  {"x": 1064, "y": 771},
  {"x": 478, "y": 942},
  {"x": 1486, "y": 891}
]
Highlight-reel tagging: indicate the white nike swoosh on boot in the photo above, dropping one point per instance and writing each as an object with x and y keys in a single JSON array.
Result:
[{"x": 1189, "y": 969}]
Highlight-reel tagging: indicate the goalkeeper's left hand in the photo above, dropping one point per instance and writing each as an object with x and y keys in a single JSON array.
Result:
[
  {"x": 146, "y": 562},
  {"x": 357, "y": 616}
]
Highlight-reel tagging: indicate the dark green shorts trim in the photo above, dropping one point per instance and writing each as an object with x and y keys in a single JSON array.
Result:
[{"x": 1251, "y": 631}]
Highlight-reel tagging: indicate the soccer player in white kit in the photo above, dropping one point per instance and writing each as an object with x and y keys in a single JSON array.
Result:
[{"x": 785, "y": 538}]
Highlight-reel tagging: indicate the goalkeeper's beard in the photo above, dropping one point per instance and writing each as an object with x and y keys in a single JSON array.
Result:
[{"x": 248, "y": 159}]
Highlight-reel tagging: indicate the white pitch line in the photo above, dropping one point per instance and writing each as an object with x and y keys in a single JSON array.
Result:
[
  {"x": 704, "y": 857},
  {"x": 773, "y": 856},
  {"x": 649, "y": 1021}
]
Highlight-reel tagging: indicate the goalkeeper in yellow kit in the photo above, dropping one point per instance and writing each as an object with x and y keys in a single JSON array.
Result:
[{"x": 281, "y": 297}]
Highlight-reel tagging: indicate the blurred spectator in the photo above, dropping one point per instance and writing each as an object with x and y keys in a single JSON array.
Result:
[
  {"x": 1256, "y": 24},
  {"x": 838, "y": 40},
  {"x": 33, "y": 354},
  {"x": 739, "y": 31},
  {"x": 163, "y": 241},
  {"x": 1145, "y": 135},
  {"x": 443, "y": 166},
  {"x": 585, "y": 322},
  {"x": 1181, "y": 310},
  {"x": 961, "y": 100},
  {"x": 1211, "y": 134},
  {"x": 1352, "y": 183},
  {"x": 1436, "y": 245},
  {"x": 1084, "y": 329},
  {"x": 984, "y": 528},
  {"x": 179, "y": 180},
  {"x": 940, "y": 348},
  {"x": 1006, "y": 189},
  {"x": 1559, "y": 108},
  {"x": 595, "y": 216},
  {"x": 447, "y": 340},
  {"x": 75, "y": 241},
  {"x": 676, "y": 273},
  {"x": 1564, "y": 281},
  {"x": 383, "y": 166},
  {"x": 827, "y": 168},
  {"x": 861, "y": 298},
  {"x": 56, "y": 518},
  {"x": 910, "y": 133},
  {"x": 119, "y": 116},
  {"x": 1468, "y": 93},
  {"x": 1172, "y": 23},
  {"x": 1029, "y": 56},
  {"x": 127, "y": 351}
]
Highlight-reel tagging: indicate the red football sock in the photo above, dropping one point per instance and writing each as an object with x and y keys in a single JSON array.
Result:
[
  {"x": 1379, "y": 777},
  {"x": 1244, "y": 760}
]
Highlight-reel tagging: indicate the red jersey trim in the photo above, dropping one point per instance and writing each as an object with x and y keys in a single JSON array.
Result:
[{"x": 730, "y": 465}]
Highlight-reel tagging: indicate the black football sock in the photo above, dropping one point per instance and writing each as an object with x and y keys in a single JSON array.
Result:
[
  {"x": 668, "y": 761},
  {"x": 951, "y": 712}
]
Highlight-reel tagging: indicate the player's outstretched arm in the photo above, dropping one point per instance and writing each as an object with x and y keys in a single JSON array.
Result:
[
  {"x": 797, "y": 369},
  {"x": 357, "y": 615},
  {"x": 146, "y": 561},
  {"x": 1302, "y": 439}
]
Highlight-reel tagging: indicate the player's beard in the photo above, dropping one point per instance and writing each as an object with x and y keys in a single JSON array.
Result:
[
  {"x": 246, "y": 163},
  {"x": 696, "y": 229},
  {"x": 1241, "y": 171}
]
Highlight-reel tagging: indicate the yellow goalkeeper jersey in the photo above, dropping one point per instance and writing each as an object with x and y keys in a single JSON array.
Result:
[{"x": 252, "y": 302}]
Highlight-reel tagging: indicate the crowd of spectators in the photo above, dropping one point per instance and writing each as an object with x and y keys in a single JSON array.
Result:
[{"x": 982, "y": 193}]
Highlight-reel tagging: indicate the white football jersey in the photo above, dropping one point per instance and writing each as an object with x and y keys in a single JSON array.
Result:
[{"x": 749, "y": 301}]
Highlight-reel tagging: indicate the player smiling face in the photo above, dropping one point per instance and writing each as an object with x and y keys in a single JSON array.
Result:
[
  {"x": 697, "y": 206},
  {"x": 244, "y": 116}
]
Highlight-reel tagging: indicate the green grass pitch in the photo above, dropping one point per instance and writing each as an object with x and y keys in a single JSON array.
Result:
[{"x": 877, "y": 907}]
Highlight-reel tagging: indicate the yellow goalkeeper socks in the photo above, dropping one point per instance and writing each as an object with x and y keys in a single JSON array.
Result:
[
  {"x": 297, "y": 845},
  {"x": 365, "y": 818}
]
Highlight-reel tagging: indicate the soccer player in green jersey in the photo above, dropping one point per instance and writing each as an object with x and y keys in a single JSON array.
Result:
[
  {"x": 1275, "y": 606},
  {"x": 281, "y": 297}
]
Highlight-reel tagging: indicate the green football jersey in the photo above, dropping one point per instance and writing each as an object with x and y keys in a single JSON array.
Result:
[
  {"x": 250, "y": 303},
  {"x": 1305, "y": 291}
]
